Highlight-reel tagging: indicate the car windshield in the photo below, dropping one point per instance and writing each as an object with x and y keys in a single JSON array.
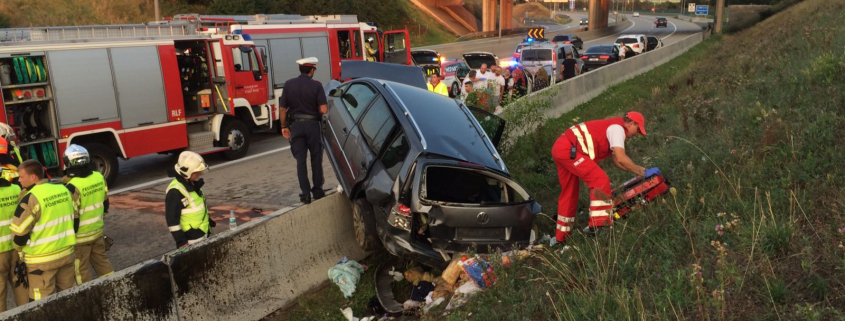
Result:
[
  {"x": 536, "y": 54},
  {"x": 627, "y": 40},
  {"x": 560, "y": 38},
  {"x": 600, "y": 49},
  {"x": 476, "y": 60},
  {"x": 661, "y": 19},
  {"x": 424, "y": 57}
]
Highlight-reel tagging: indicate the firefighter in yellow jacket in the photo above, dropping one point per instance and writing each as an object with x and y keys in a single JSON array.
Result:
[
  {"x": 44, "y": 229},
  {"x": 89, "y": 187},
  {"x": 8, "y": 256},
  {"x": 184, "y": 204}
]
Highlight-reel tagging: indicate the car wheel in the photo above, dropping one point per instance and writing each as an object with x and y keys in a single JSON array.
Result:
[
  {"x": 235, "y": 135},
  {"x": 104, "y": 160},
  {"x": 364, "y": 222},
  {"x": 455, "y": 90}
]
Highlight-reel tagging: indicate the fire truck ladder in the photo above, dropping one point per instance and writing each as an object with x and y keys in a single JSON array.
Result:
[{"x": 152, "y": 30}]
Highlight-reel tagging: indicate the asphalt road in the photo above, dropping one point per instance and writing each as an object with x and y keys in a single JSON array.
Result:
[{"x": 504, "y": 48}]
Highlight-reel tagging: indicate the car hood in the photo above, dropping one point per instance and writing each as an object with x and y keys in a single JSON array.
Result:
[{"x": 408, "y": 75}]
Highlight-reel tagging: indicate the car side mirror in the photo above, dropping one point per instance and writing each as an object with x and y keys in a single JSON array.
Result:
[
  {"x": 220, "y": 80},
  {"x": 335, "y": 92}
]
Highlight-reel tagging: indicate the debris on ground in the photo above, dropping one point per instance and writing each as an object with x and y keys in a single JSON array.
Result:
[
  {"x": 478, "y": 269},
  {"x": 349, "y": 317},
  {"x": 346, "y": 274}
]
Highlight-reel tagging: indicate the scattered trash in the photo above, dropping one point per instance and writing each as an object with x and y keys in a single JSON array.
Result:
[
  {"x": 346, "y": 275},
  {"x": 462, "y": 295},
  {"x": 347, "y": 313},
  {"x": 431, "y": 302},
  {"x": 397, "y": 276},
  {"x": 375, "y": 306},
  {"x": 411, "y": 304},
  {"x": 420, "y": 291},
  {"x": 478, "y": 269},
  {"x": 416, "y": 275},
  {"x": 452, "y": 272}
]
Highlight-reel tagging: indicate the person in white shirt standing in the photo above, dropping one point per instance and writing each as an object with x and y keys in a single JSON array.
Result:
[{"x": 500, "y": 85}]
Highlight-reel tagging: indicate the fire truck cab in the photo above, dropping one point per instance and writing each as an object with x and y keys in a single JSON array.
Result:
[{"x": 131, "y": 90}]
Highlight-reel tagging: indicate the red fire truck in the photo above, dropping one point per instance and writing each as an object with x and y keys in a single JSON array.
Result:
[
  {"x": 283, "y": 39},
  {"x": 199, "y": 83},
  {"x": 130, "y": 90}
]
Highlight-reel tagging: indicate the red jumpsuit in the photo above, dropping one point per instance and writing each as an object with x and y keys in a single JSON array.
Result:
[{"x": 591, "y": 144}]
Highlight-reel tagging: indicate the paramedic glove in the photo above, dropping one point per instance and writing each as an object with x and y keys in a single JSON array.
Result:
[{"x": 652, "y": 171}]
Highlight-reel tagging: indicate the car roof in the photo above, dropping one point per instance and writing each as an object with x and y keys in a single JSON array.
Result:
[
  {"x": 661, "y": 18},
  {"x": 411, "y": 75},
  {"x": 423, "y": 50},
  {"x": 631, "y": 36},
  {"x": 442, "y": 124}
]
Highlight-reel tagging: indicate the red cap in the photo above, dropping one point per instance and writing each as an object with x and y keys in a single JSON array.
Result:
[{"x": 637, "y": 118}]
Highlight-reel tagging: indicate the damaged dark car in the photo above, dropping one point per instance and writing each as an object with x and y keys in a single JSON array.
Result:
[{"x": 423, "y": 174}]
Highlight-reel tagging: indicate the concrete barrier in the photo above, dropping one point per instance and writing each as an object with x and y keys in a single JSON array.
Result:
[
  {"x": 244, "y": 274},
  {"x": 140, "y": 292},
  {"x": 565, "y": 96},
  {"x": 265, "y": 266}
]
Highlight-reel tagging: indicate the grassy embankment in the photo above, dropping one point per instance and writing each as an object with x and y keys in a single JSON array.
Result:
[
  {"x": 397, "y": 14},
  {"x": 752, "y": 140}
]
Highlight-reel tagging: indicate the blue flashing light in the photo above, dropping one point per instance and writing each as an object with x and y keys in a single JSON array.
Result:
[
  {"x": 238, "y": 31},
  {"x": 530, "y": 39},
  {"x": 247, "y": 37}
]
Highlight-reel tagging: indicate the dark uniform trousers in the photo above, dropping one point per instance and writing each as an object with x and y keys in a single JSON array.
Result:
[{"x": 304, "y": 138}]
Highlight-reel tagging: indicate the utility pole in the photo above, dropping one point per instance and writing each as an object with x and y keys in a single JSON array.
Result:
[
  {"x": 157, "y": 12},
  {"x": 720, "y": 10},
  {"x": 501, "y": 14}
]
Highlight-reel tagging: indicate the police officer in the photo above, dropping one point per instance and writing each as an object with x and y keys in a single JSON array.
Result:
[{"x": 304, "y": 100}]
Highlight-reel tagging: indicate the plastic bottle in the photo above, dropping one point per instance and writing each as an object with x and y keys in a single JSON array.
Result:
[{"x": 232, "y": 223}]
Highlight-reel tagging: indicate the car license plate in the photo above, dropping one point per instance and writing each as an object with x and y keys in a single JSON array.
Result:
[
  {"x": 594, "y": 59},
  {"x": 481, "y": 233}
]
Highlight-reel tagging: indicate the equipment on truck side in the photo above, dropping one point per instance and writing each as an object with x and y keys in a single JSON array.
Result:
[{"x": 637, "y": 192}]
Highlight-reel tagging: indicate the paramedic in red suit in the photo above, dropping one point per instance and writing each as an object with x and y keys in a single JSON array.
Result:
[{"x": 576, "y": 154}]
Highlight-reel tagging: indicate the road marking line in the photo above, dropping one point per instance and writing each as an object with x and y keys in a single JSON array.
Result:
[
  {"x": 165, "y": 179},
  {"x": 673, "y": 30}
]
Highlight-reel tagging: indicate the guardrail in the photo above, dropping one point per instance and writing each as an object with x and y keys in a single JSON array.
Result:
[
  {"x": 565, "y": 96},
  {"x": 244, "y": 274}
]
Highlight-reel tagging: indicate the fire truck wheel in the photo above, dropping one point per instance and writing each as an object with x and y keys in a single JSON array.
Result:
[
  {"x": 104, "y": 160},
  {"x": 235, "y": 135},
  {"x": 364, "y": 223}
]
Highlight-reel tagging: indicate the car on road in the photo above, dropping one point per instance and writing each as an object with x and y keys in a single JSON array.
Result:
[
  {"x": 429, "y": 60},
  {"x": 636, "y": 14},
  {"x": 550, "y": 57},
  {"x": 584, "y": 21},
  {"x": 478, "y": 58},
  {"x": 636, "y": 42},
  {"x": 661, "y": 22},
  {"x": 452, "y": 74},
  {"x": 653, "y": 43},
  {"x": 600, "y": 55},
  {"x": 569, "y": 39},
  {"x": 421, "y": 170}
]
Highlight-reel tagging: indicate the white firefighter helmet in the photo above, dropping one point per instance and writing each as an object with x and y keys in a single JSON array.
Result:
[
  {"x": 76, "y": 156},
  {"x": 190, "y": 163},
  {"x": 7, "y": 132}
]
